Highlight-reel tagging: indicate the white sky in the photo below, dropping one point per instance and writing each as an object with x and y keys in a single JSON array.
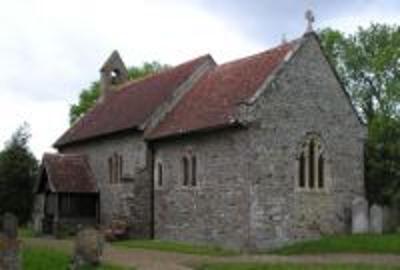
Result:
[{"x": 50, "y": 49}]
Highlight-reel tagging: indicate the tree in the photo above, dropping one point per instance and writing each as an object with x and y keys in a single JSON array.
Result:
[
  {"x": 89, "y": 96},
  {"x": 383, "y": 160},
  {"x": 18, "y": 173},
  {"x": 369, "y": 66},
  {"x": 368, "y": 63}
]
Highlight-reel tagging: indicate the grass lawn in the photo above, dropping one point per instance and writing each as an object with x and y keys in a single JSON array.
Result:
[
  {"x": 25, "y": 232},
  {"x": 170, "y": 246},
  {"x": 373, "y": 244},
  {"x": 46, "y": 259},
  {"x": 227, "y": 266}
]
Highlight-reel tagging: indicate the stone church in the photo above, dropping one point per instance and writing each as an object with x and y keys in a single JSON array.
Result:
[{"x": 251, "y": 154}]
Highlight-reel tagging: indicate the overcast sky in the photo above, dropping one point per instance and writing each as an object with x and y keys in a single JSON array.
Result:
[{"x": 50, "y": 50}]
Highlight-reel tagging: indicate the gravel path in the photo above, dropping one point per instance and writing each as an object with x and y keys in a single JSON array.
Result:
[{"x": 155, "y": 260}]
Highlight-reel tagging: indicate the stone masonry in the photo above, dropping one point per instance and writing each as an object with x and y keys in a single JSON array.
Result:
[{"x": 215, "y": 211}]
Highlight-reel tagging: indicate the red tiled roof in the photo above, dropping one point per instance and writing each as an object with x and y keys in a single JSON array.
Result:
[
  {"x": 130, "y": 106},
  {"x": 68, "y": 174},
  {"x": 213, "y": 100}
]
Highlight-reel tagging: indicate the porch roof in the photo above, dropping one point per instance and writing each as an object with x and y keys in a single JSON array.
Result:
[{"x": 67, "y": 173}]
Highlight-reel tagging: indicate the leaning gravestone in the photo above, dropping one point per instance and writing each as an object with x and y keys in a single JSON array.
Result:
[
  {"x": 359, "y": 215},
  {"x": 9, "y": 245},
  {"x": 88, "y": 249},
  {"x": 376, "y": 219}
]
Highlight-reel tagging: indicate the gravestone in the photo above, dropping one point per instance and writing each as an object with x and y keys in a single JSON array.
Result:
[
  {"x": 88, "y": 249},
  {"x": 391, "y": 219},
  {"x": 38, "y": 213},
  {"x": 10, "y": 226},
  {"x": 376, "y": 219},
  {"x": 359, "y": 215},
  {"x": 10, "y": 258}
]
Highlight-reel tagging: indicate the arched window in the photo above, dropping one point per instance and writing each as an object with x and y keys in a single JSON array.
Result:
[
  {"x": 110, "y": 170},
  {"x": 321, "y": 171},
  {"x": 115, "y": 168},
  {"x": 194, "y": 171},
  {"x": 302, "y": 171},
  {"x": 311, "y": 165},
  {"x": 159, "y": 174},
  {"x": 185, "y": 167},
  {"x": 121, "y": 168}
]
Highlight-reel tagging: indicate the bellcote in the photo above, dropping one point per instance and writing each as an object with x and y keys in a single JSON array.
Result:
[{"x": 112, "y": 73}]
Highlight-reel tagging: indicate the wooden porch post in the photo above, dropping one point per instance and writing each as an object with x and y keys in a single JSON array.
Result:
[
  {"x": 98, "y": 208},
  {"x": 56, "y": 213}
]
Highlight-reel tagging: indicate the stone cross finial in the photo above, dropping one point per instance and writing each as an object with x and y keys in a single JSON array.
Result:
[
  {"x": 284, "y": 39},
  {"x": 310, "y": 20}
]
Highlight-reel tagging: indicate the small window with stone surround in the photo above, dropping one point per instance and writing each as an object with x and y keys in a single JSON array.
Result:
[
  {"x": 185, "y": 168},
  {"x": 121, "y": 168},
  {"x": 110, "y": 170},
  {"x": 189, "y": 170},
  {"x": 311, "y": 165},
  {"x": 302, "y": 176},
  {"x": 115, "y": 168},
  {"x": 159, "y": 174},
  {"x": 194, "y": 171}
]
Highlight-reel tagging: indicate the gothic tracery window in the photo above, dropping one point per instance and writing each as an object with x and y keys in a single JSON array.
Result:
[{"x": 311, "y": 167}]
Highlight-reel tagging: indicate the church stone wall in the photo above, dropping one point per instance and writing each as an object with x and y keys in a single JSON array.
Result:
[
  {"x": 304, "y": 99},
  {"x": 215, "y": 211},
  {"x": 131, "y": 199}
]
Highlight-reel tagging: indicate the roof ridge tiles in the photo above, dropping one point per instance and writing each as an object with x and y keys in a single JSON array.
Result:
[{"x": 161, "y": 72}]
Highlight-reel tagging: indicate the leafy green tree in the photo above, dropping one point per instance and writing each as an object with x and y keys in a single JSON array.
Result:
[
  {"x": 89, "y": 96},
  {"x": 369, "y": 66},
  {"x": 18, "y": 173},
  {"x": 368, "y": 63},
  {"x": 383, "y": 160}
]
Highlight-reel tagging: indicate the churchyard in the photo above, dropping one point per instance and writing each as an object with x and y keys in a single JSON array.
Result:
[
  {"x": 351, "y": 252},
  {"x": 346, "y": 252},
  {"x": 368, "y": 247}
]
